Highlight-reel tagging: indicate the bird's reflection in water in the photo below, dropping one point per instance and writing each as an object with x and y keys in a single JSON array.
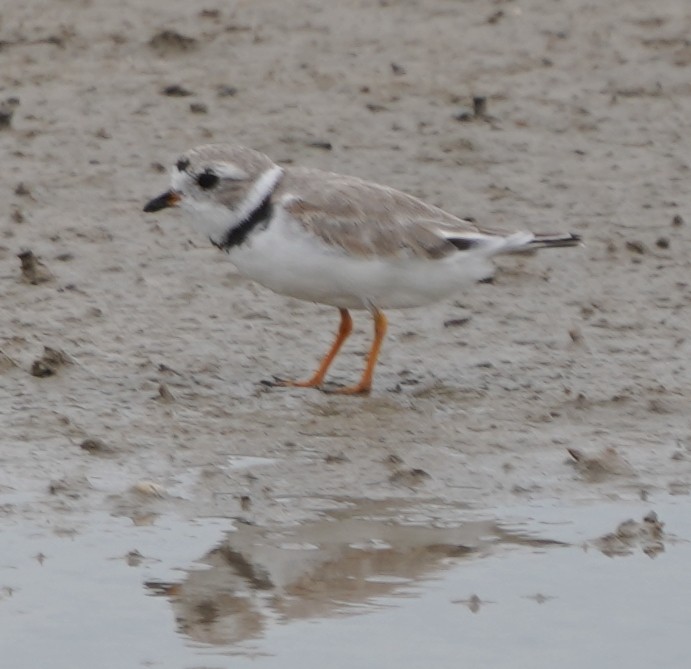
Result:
[{"x": 340, "y": 565}]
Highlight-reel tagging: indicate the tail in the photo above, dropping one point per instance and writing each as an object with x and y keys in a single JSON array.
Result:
[
  {"x": 545, "y": 240},
  {"x": 494, "y": 242},
  {"x": 528, "y": 242}
]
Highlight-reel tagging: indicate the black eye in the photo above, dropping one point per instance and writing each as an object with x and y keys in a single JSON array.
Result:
[
  {"x": 182, "y": 164},
  {"x": 207, "y": 179}
]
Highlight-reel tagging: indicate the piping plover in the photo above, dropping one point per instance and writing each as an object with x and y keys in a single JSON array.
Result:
[{"x": 335, "y": 239}]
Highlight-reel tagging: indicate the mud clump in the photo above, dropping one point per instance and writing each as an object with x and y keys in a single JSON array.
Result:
[
  {"x": 600, "y": 467},
  {"x": 409, "y": 477},
  {"x": 96, "y": 446},
  {"x": 49, "y": 363},
  {"x": 168, "y": 42},
  {"x": 164, "y": 394},
  {"x": 648, "y": 535},
  {"x": 32, "y": 269},
  {"x": 6, "y": 363},
  {"x": 7, "y": 109},
  {"x": 636, "y": 246},
  {"x": 176, "y": 91}
]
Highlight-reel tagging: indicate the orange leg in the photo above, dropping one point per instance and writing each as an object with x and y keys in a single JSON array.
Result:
[
  {"x": 365, "y": 384},
  {"x": 344, "y": 330}
]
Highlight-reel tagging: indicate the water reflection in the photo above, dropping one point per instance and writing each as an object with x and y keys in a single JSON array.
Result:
[
  {"x": 613, "y": 594},
  {"x": 341, "y": 565}
]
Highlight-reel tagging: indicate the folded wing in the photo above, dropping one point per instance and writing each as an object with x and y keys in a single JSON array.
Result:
[{"x": 365, "y": 219}]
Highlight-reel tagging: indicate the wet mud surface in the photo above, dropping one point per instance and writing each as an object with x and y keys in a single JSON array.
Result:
[{"x": 132, "y": 355}]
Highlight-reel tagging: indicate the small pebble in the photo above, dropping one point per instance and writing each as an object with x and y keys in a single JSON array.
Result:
[
  {"x": 463, "y": 116},
  {"x": 7, "y": 108},
  {"x": 576, "y": 335},
  {"x": 479, "y": 106},
  {"x": 96, "y": 447},
  {"x": 478, "y": 112},
  {"x": 134, "y": 558},
  {"x": 226, "y": 91},
  {"x": 149, "y": 489},
  {"x": 335, "y": 458},
  {"x": 169, "y": 41},
  {"x": 320, "y": 144},
  {"x": 176, "y": 91},
  {"x": 456, "y": 322},
  {"x": 164, "y": 394},
  {"x": 636, "y": 246}
]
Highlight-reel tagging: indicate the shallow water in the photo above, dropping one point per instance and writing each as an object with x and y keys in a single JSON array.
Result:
[{"x": 528, "y": 587}]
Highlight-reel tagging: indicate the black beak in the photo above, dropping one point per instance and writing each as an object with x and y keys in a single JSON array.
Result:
[{"x": 168, "y": 199}]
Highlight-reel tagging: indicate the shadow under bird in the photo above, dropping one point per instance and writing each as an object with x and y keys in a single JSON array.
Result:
[{"x": 335, "y": 239}]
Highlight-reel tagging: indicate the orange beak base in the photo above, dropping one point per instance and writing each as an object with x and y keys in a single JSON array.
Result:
[{"x": 168, "y": 199}]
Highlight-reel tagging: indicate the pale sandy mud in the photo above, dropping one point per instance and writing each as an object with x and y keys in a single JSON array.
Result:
[{"x": 132, "y": 355}]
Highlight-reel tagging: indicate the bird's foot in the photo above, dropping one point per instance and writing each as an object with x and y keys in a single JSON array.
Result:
[
  {"x": 329, "y": 389},
  {"x": 359, "y": 389},
  {"x": 278, "y": 382}
]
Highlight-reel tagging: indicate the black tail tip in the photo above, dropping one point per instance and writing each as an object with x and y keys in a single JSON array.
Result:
[{"x": 555, "y": 241}]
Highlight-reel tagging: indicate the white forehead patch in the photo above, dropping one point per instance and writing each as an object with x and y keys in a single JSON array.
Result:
[
  {"x": 178, "y": 179},
  {"x": 229, "y": 171}
]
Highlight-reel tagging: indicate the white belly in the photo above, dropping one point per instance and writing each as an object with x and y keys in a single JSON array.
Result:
[{"x": 299, "y": 266}]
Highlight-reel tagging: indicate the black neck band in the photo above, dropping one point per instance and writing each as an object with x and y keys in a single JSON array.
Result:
[{"x": 237, "y": 235}]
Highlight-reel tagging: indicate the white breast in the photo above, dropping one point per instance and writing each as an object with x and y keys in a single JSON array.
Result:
[{"x": 289, "y": 261}]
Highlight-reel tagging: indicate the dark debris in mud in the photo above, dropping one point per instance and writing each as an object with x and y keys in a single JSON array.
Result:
[{"x": 49, "y": 363}]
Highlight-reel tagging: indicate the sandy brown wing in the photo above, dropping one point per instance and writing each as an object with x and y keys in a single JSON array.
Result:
[{"x": 366, "y": 219}]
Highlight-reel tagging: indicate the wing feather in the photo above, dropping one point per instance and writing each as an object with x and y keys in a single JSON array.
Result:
[{"x": 367, "y": 219}]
